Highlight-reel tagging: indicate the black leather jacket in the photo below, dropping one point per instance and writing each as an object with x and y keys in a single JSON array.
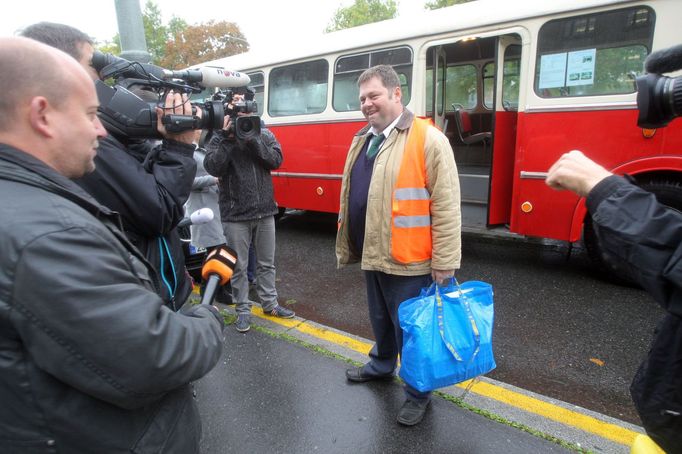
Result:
[
  {"x": 91, "y": 360},
  {"x": 148, "y": 188}
]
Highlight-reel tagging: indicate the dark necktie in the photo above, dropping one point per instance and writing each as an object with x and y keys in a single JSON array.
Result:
[{"x": 374, "y": 144}]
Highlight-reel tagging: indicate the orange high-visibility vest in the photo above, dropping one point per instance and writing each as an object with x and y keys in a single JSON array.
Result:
[{"x": 411, "y": 204}]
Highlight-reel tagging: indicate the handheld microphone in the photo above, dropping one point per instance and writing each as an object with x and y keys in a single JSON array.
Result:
[
  {"x": 217, "y": 270},
  {"x": 200, "y": 216},
  {"x": 210, "y": 76}
]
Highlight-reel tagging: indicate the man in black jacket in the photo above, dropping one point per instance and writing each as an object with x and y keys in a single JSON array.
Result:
[
  {"x": 247, "y": 210},
  {"x": 92, "y": 359},
  {"x": 645, "y": 237},
  {"x": 147, "y": 186}
]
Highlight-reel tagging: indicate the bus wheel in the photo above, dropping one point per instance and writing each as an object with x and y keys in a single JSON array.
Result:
[
  {"x": 280, "y": 213},
  {"x": 668, "y": 192}
]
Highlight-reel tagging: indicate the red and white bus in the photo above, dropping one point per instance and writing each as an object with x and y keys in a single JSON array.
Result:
[{"x": 515, "y": 83}]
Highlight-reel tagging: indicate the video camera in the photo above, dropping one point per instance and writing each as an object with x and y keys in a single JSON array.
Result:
[
  {"x": 125, "y": 114},
  {"x": 659, "y": 98},
  {"x": 243, "y": 127}
]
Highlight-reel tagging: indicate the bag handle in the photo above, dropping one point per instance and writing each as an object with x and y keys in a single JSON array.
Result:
[{"x": 441, "y": 327}]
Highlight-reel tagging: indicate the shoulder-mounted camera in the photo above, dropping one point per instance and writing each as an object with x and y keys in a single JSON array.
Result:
[{"x": 128, "y": 108}]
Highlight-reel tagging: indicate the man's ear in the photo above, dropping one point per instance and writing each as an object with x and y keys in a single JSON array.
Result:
[
  {"x": 398, "y": 93},
  {"x": 40, "y": 116}
]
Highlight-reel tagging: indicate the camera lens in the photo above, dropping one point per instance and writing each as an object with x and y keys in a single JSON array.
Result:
[
  {"x": 659, "y": 100},
  {"x": 245, "y": 126}
]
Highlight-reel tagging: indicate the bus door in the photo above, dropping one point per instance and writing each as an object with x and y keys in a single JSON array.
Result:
[
  {"x": 467, "y": 68},
  {"x": 506, "y": 101}
]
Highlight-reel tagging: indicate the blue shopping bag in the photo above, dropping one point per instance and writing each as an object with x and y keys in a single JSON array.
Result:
[{"x": 447, "y": 335}]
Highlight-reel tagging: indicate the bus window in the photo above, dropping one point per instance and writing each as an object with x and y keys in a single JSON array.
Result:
[
  {"x": 510, "y": 78},
  {"x": 488, "y": 84},
  {"x": 346, "y": 95},
  {"x": 257, "y": 84},
  {"x": 298, "y": 89},
  {"x": 596, "y": 54},
  {"x": 460, "y": 87}
]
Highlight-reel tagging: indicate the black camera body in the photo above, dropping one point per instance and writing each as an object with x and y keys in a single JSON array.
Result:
[
  {"x": 243, "y": 126},
  {"x": 659, "y": 98},
  {"x": 124, "y": 112},
  {"x": 126, "y": 115}
]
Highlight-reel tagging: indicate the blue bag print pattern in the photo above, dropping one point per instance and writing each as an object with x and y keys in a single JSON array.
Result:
[{"x": 447, "y": 335}]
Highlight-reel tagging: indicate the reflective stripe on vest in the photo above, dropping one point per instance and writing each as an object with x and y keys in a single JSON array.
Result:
[{"x": 411, "y": 204}]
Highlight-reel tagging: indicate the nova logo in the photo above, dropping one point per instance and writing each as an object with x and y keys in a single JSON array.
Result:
[{"x": 228, "y": 73}]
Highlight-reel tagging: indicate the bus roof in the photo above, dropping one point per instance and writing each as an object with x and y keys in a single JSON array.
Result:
[{"x": 458, "y": 17}]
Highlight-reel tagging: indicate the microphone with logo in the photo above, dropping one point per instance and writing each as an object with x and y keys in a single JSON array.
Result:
[{"x": 217, "y": 270}]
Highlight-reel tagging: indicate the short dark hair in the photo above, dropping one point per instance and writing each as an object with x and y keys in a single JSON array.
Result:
[
  {"x": 386, "y": 74},
  {"x": 64, "y": 37}
]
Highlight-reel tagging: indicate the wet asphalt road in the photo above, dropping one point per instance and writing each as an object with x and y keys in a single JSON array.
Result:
[{"x": 559, "y": 330}]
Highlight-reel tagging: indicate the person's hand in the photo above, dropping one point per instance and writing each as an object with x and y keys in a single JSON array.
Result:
[
  {"x": 227, "y": 123},
  {"x": 178, "y": 104},
  {"x": 439, "y": 276},
  {"x": 575, "y": 172}
]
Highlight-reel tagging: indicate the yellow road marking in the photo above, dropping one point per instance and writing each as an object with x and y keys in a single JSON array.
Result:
[{"x": 529, "y": 404}]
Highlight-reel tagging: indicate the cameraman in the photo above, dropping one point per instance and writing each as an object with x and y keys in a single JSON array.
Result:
[
  {"x": 247, "y": 209},
  {"x": 646, "y": 238},
  {"x": 146, "y": 185}
]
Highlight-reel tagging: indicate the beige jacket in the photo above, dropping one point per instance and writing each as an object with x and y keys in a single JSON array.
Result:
[{"x": 442, "y": 184}]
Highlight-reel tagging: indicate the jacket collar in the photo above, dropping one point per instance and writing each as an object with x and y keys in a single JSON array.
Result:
[{"x": 34, "y": 171}]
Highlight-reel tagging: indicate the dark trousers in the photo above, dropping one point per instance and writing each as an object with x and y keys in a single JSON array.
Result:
[{"x": 385, "y": 292}]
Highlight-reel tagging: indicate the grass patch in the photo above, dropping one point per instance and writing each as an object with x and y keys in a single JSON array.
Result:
[
  {"x": 228, "y": 317},
  {"x": 460, "y": 403}
]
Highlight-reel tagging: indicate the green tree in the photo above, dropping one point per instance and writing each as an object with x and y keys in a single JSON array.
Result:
[
  {"x": 362, "y": 12},
  {"x": 203, "y": 42},
  {"x": 437, "y": 4},
  {"x": 156, "y": 33},
  {"x": 110, "y": 47}
]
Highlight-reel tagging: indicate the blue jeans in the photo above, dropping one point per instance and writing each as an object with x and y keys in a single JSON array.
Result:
[{"x": 240, "y": 235}]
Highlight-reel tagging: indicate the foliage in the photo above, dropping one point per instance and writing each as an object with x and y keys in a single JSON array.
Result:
[
  {"x": 155, "y": 33},
  {"x": 362, "y": 12},
  {"x": 178, "y": 45},
  {"x": 110, "y": 47},
  {"x": 198, "y": 43},
  {"x": 437, "y": 4}
]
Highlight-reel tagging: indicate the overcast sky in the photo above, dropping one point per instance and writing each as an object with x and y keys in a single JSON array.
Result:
[{"x": 261, "y": 21}]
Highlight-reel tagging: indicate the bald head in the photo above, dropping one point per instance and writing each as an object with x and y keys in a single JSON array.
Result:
[
  {"x": 49, "y": 108},
  {"x": 30, "y": 69}
]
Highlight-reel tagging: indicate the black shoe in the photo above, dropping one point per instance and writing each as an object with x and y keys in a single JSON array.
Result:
[
  {"x": 412, "y": 412},
  {"x": 356, "y": 375}
]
